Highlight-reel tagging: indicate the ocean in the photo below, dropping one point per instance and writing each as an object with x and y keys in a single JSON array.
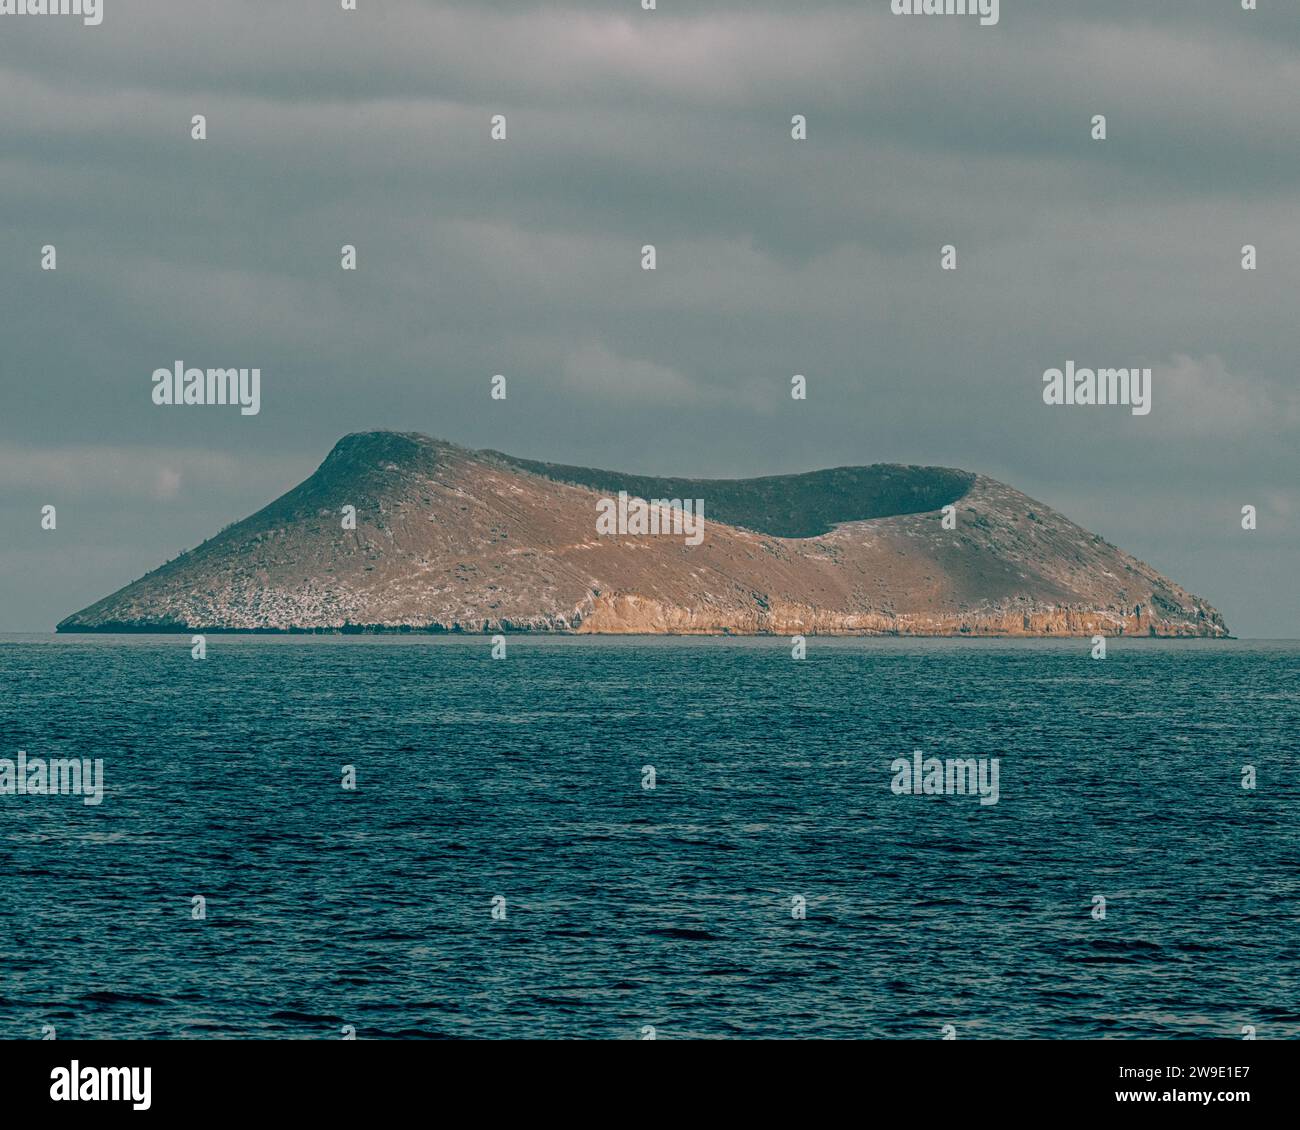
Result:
[{"x": 501, "y": 868}]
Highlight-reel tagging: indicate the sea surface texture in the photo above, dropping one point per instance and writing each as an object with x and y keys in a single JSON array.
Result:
[{"x": 627, "y": 908}]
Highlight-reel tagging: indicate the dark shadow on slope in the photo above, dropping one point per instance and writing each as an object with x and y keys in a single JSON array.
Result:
[{"x": 787, "y": 506}]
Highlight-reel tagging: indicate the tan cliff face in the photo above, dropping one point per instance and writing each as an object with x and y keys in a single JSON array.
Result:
[{"x": 457, "y": 540}]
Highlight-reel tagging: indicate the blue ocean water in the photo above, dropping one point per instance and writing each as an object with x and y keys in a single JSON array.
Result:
[{"x": 627, "y": 907}]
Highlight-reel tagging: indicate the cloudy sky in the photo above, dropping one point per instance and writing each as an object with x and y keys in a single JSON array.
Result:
[{"x": 775, "y": 257}]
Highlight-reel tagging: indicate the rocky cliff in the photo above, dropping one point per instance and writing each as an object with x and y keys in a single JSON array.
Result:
[{"x": 456, "y": 540}]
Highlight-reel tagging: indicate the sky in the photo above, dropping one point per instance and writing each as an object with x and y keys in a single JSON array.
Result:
[{"x": 775, "y": 257}]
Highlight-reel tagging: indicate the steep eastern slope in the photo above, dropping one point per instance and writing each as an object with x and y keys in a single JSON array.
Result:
[{"x": 458, "y": 540}]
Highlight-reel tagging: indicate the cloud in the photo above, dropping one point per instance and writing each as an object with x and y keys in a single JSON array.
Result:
[
  {"x": 1203, "y": 399},
  {"x": 592, "y": 370},
  {"x": 137, "y": 473}
]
